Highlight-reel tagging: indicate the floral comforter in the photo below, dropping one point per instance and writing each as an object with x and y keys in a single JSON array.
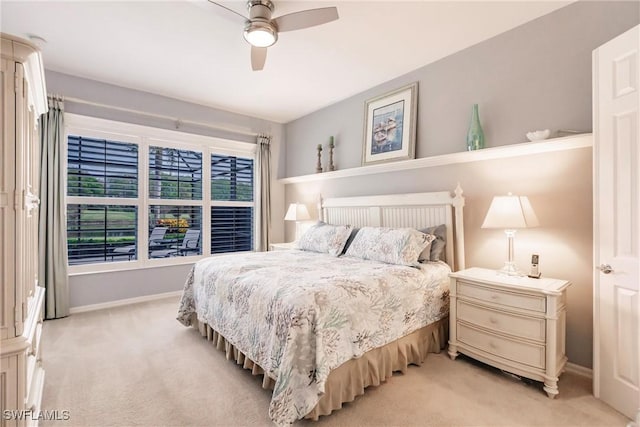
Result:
[{"x": 301, "y": 314}]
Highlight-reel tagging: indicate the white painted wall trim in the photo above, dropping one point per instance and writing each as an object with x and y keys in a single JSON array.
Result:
[
  {"x": 513, "y": 150},
  {"x": 129, "y": 132},
  {"x": 579, "y": 370},
  {"x": 121, "y": 302}
]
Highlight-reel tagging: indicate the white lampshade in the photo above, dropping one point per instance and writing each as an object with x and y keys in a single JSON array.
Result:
[
  {"x": 510, "y": 212},
  {"x": 297, "y": 212}
]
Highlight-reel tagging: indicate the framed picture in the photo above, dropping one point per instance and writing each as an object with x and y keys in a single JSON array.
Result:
[{"x": 390, "y": 126}]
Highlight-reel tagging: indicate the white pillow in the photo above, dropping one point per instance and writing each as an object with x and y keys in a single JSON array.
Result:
[
  {"x": 325, "y": 238},
  {"x": 390, "y": 245}
]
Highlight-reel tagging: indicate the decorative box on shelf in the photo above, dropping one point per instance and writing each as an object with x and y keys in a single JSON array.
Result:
[{"x": 514, "y": 323}]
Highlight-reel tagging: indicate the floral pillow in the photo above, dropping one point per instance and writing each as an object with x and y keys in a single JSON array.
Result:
[
  {"x": 390, "y": 245},
  {"x": 325, "y": 238}
]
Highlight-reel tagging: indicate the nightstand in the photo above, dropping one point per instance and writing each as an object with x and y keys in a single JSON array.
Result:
[
  {"x": 282, "y": 246},
  {"x": 516, "y": 324}
]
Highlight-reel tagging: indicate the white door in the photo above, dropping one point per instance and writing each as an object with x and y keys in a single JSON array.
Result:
[{"x": 616, "y": 95}]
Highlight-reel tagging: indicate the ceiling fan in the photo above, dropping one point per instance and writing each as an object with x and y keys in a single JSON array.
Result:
[{"x": 261, "y": 31}]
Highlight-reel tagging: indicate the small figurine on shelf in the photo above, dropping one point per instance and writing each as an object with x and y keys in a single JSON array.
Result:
[
  {"x": 331, "y": 147},
  {"x": 319, "y": 164}
]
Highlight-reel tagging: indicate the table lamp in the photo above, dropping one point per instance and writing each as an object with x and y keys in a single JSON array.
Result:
[
  {"x": 297, "y": 212},
  {"x": 509, "y": 213}
]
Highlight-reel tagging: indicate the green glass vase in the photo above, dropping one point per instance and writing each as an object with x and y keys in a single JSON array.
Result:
[{"x": 475, "y": 136}]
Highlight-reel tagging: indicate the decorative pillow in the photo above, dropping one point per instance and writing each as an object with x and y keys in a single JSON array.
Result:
[
  {"x": 425, "y": 255},
  {"x": 325, "y": 238},
  {"x": 390, "y": 245},
  {"x": 436, "y": 251}
]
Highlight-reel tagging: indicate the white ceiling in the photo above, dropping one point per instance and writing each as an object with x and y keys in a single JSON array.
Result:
[{"x": 194, "y": 51}]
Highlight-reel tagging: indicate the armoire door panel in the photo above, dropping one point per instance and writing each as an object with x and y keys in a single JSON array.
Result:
[{"x": 7, "y": 202}]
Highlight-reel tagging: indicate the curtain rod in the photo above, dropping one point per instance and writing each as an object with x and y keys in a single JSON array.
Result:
[{"x": 177, "y": 121}]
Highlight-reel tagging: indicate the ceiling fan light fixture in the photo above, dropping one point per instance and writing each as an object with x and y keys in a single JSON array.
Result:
[
  {"x": 260, "y": 34},
  {"x": 261, "y": 31}
]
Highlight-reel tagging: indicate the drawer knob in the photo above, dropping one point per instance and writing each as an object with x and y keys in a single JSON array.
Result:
[
  {"x": 493, "y": 320},
  {"x": 494, "y": 296},
  {"x": 493, "y": 345}
]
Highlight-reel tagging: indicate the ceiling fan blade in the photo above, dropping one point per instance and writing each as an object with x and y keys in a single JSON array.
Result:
[
  {"x": 306, "y": 18},
  {"x": 258, "y": 56},
  {"x": 236, "y": 15}
]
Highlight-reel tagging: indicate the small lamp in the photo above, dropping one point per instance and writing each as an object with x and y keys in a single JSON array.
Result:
[
  {"x": 297, "y": 212},
  {"x": 510, "y": 212}
]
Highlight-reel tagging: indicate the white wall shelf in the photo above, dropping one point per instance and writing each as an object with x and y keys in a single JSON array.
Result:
[{"x": 513, "y": 150}]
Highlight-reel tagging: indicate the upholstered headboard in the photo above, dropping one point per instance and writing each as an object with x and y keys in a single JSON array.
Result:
[{"x": 416, "y": 210}]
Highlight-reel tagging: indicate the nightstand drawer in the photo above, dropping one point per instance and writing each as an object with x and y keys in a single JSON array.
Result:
[
  {"x": 523, "y": 301},
  {"x": 517, "y": 351},
  {"x": 520, "y": 326}
]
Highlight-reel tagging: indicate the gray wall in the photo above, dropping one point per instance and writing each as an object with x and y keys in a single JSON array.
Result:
[
  {"x": 535, "y": 76},
  {"x": 97, "y": 288}
]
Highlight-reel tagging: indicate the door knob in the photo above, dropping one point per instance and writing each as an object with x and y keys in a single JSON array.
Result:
[{"x": 605, "y": 268}]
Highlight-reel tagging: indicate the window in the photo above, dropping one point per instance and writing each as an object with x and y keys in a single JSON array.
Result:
[
  {"x": 140, "y": 196},
  {"x": 101, "y": 173},
  {"x": 180, "y": 227},
  {"x": 175, "y": 174},
  {"x": 232, "y": 204},
  {"x": 101, "y": 168},
  {"x": 231, "y": 178},
  {"x": 100, "y": 233},
  {"x": 231, "y": 229}
]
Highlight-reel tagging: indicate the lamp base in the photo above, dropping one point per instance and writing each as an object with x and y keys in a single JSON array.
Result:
[{"x": 510, "y": 269}]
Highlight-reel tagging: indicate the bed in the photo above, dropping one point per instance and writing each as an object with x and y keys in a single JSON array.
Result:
[{"x": 321, "y": 328}]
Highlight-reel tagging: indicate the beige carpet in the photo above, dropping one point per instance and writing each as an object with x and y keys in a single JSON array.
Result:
[{"x": 136, "y": 365}]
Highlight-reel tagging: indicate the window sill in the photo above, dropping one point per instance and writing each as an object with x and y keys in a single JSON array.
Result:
[
  {"x": 123, "y": 266},
  {"x": 88, "y": 269}
]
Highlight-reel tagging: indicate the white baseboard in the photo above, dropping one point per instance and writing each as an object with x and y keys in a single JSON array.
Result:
[
  {"x": 120, "y": 302},
  {"x": 579, "y": 370}
]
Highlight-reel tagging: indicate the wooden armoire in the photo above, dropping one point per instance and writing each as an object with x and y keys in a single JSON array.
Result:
[{"x": 23, "y": 99}]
